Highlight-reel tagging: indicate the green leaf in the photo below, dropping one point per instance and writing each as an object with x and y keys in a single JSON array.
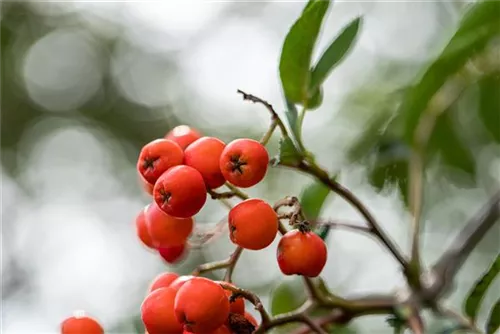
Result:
[
  {"x": 288, "y": 154},
  {"x": 337, "y": 50},
  {"x": 493, "y": 322},
  {"x": 312, "y": 199},
  {"x": 477, "y": 28},
  {"x": 287, "y": 296},
  {"x": 316, "y": 100},
  {"x": 296, "y": 54},
  {"x": 476, "y": 295},
  {"x": 390, "y": 165},
  {"x": 489, "y": 104},
  {"x": 291, "y": 114},
  {"x": 445, "y": 140}
]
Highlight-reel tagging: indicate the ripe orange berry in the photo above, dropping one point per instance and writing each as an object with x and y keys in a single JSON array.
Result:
[
  {"x": 204, "y": 155},
  {"x": 158, "y": 156},
  {"x": 163, "y": 280},
  {"x": 165, "y": 230},
  {"x": 253, "y": 224},
  {"x": 238, "y": 305},
  {"x": 301, "y": 253},
  {"x": 157, "y": 312},
  {"x": 244, "y": 162},
  {"x": 180, "y": 191},
  {"x": 173, "y": 254},
  {"x": 148, "y": 187},
  {"x": 183, "y": 135},
  {"x": 81, "y": 324},
  {"x": 179, "y": 282},
  {"x": 201, "y": 305},
  {"x": 142, "y": 229}
]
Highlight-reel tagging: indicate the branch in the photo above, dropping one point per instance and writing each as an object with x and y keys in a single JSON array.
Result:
[
  {"x": 233, "y": 259},
  {"x": 228, "y": 263},
  {"x": 314, "y": 170},
  {"x": 251, "y": 297},
  {"x": 469, "y": 237},
  {"x": 343, "y": 225},
  {"x": 274, "y": 114},
  {"x": 443, "y": 99}
]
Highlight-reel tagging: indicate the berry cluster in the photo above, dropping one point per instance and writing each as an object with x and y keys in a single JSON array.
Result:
[
  {"x": 189, "y": 304},
  {"x": 179, "y": 171}
]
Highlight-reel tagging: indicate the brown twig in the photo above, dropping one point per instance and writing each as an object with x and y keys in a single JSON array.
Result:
[
  {"x": 447, "y": 266},
  {"x": 343, "y": 225},
  {"x": 445, "y": 97},
  {"x": 274, "y": 114},
  {"x": 233, "y": 259},
  {"x": 251, "y": 297},
  {"x": 314, "y": 170}
]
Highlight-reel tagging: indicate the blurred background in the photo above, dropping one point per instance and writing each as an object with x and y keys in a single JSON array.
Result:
[{"x": 85, "y": 84}]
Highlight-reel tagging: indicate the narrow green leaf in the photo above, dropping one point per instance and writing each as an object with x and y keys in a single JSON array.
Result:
[
  {"x": 316, "y": 100},
  {"x": 337, "y": 50},
  {"x": 287, "y": 296},
  {"x": 291, "y": 114},
  {"x": 493, "y": 322},
  {"x": 312, "y": 199},
  {"x": 478, "y": 26},
  {"x": 445, "y": 140},
  {"x": 389, "y": 165},
  {"x": 295, "y": 61},
  {"x": 287, "y": 152},
  {"x": 476, "y": 295},
  {"x": 489, "y": 104}
]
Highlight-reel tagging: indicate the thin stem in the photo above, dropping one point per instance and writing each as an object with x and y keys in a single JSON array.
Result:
[
  {"x": 447, "y": 266},
  {"x": 274, "y": 114},
  {"x": 211, "y": 266},
  {"x": 446, "y": 96},
  {"x": 237, "y": 192},
  {"x": 251, "y": 297},
  {"x": 300, "y": 121},
  {"x": 312, "y": 325},
  {"x": 269, "y": 133},
  {"x": 463, "y": 321},
  {"x": 232, "y": 264},
  {"x": 344, "y": 225},
  {"x": 345, "y": 193},
  {"x": 224, "y": 195}
]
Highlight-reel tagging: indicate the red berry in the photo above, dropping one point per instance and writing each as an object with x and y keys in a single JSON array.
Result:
[
  {"x": 142, "y": 229},
  {"x": 163, "y": 280},
  {"x": 180, "y": 192},
  {"x": 301, "y": 253},
  {"x": 158, "y": 156},
  {"x": 172, "y": 254},
  {"x": 204, "y": 155},
  {"x": 183, "y": 135},
  {"x": 157, "y": 312},
  {"x": 201, "y": 305},
  {"x": 81, "y": 324},
  {"x": 148, "y": 187},
  {"x": 244, "y": 162},
  {"x": 165, "y": 230},
  {"x": 238, "y": 305},
  {"x": 253, "y": 224},
  {"x": 179, "y": 282}
]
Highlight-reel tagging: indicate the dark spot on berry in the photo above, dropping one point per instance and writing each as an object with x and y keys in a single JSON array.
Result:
[
  {"x": 165, "y": 196},
  {"x": 237, "y": 163},
  {"x": 149, "y": 163}
]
